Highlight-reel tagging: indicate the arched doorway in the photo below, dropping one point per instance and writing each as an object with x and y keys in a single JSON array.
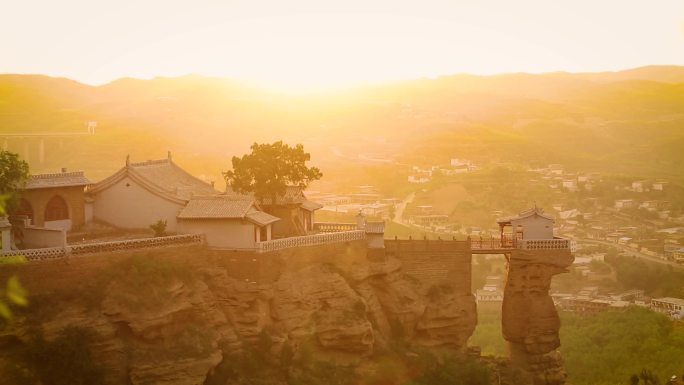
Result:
[
  {"x": 24, "y": 208},
  {"x": 56, "y": 209}
]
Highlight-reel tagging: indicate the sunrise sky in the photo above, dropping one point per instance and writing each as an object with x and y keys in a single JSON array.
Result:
[{"x": 301, "y": 43}]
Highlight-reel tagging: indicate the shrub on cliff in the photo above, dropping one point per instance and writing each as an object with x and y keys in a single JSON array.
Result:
[{"x": 64, "y": 361}]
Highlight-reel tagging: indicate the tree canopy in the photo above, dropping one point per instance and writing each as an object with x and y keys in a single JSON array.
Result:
[
  {"x": 13, "y": 173},
  {"x": 269, "y": 169}
]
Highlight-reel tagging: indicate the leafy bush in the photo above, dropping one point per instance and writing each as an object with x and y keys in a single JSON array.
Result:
[
  {"x": 159, "y": 228},
  {"x": 65, "y": 361}
]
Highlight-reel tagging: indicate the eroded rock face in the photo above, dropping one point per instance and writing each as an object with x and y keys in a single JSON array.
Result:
[
  {"x": 175, "y": 329},
  {"x": 530, "y": 322},
  {"x": 317, "y": 302}
]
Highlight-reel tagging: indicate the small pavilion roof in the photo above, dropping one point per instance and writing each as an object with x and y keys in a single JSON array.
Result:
[
  {"x": 311, "y": 206},
  {"x": 525, "y": 214}
]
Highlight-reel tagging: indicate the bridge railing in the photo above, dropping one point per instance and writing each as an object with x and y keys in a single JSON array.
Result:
[
  {"x": 477, "y": 243},
  {"x": 310, "y": 240},
  {"x": 487, "y": 243},
  {"x": 333, "y": 227}
]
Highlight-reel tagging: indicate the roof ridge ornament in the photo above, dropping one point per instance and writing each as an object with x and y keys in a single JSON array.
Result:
[{"x": 128, "y": 160}]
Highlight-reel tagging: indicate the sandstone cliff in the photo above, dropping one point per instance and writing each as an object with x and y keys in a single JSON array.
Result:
[{"x": 171, "y": 316}]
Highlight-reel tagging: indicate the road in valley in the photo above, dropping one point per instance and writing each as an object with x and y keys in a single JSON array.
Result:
[
  {"x": 399, "y": 210},
  {"x": 631, "y": 252}
]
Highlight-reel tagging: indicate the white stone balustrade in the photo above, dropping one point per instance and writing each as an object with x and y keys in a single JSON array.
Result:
[
  {"x": 544, "y": 244},
  {"x": 334, "y": 227},
  {"x": 105, "y": 247},
  {"x": 310, "y": 240}
]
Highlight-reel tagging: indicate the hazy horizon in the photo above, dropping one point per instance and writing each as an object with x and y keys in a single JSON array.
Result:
[
  {"x": 356, "y": 85},
  {"x": 304, "y": 44}
]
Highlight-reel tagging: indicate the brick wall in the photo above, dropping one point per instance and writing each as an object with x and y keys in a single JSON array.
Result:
[{"x": 434, "y": 261}]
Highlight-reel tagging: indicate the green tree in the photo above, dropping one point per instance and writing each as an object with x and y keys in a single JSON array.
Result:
[
  {"x": 13, "y": 174},
  {"x": 13, "y": 293},
  {"x": 269, "y": 169}
]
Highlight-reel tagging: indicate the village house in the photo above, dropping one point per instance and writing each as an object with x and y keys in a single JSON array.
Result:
[
  {"x": 650, "y": 205},
  {"x": 638, "y": 185},
  {"x": 659, "y": 185},
  {"x": 624, "y": 203},
  {"x": 569, "y": 184},
  {"x": 418, "y": 179},
  {"x": 55, "y": 201},
  {"x": 140, "y": 194},
  {"x": 227, "y": 221},
  {"x": 674, "y": 307},
  {"x": 556, "y": 169}
]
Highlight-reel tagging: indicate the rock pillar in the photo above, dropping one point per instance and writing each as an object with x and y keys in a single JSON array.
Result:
[{"x": 530, "y": 322}]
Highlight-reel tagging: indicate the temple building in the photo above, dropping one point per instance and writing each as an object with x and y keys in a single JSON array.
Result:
[
  {"x": 54, "y": 201},
  {"x": 140, "y": 194},
  {"x": 293, "y": 208},
  {"x": 227, "y": 221},
  {"x": 527, "y": 225}
]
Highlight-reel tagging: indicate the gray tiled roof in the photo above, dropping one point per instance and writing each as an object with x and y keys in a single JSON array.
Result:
[
  {"x": 59, "y": 179},
  {"x": 261, "y": 218},
  {"x": 311, "y": 206},
  {"x": 170, "y": 178},
  {"x": 217, "y": 206},
  {"x": 524, "y": 214}
]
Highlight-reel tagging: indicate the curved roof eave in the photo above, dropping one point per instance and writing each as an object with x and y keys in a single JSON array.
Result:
[{"x": 131, "y": 173}]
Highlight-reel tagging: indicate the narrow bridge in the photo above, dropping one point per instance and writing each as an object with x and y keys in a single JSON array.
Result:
[
  {"x": 27, "y": 138},
  {"x": 504, "y": 245}
]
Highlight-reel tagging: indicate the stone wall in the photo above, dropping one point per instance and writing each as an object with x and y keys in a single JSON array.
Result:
[{"x": 435, "y": 261}]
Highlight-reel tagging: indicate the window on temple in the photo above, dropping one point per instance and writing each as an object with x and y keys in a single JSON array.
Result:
[
  {"x": 24, "y": 208},
  {"x": 56, "y": 209}
]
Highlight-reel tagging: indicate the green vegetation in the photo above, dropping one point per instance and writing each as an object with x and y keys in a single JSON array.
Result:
[
  {"x": 13, "y": 294},
  {"x": 607, "y": 349},
  {"x": 141, "y": 273},
  {"x": 159, "y": 228},
  {"x": 488, "y": 335},
  {"x": 269, "y": 169},
  {"x": 13, "y": 174},
  {"x": 657, "y": 280},
  {"x": 66, "y": 360}
]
